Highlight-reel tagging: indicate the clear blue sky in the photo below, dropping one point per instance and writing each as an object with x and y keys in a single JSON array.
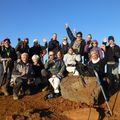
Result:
[{"x": 41, "y": 18}]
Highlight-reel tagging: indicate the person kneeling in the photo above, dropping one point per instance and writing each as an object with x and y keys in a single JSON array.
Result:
[{"x": 22, "y": 76}]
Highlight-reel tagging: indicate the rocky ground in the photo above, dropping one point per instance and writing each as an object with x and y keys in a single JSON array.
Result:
[{"x": 34, "y": 107}]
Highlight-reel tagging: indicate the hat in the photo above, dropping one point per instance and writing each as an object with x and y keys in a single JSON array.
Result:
[
  {"x": 35, "y": 40},
  {"x": 6, "y": 39},
  {"x": 110, "y": 38},
  {"x": 95, "y": 41}
]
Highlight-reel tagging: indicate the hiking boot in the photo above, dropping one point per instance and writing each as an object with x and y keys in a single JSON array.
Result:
[
  {"x": 15, "y": 97},
  {"x": 4, "y": 90}
]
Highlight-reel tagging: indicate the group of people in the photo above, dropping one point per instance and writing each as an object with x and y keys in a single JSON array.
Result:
[{"x": 23, "y": 66}]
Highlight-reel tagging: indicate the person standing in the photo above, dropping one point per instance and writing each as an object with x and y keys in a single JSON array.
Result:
[
  {"x": 112, "y": 55},
  {"x": 77, "y": 43},
  {"x": 7, "y": 58},
  {"x": 53, "y": 44}
]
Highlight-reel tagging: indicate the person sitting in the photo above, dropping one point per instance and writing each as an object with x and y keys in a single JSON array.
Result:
[
  {"x": 55, "y": 68},
  {"x": 22, "y": 75},
  {"x": 37, "y": 67},
  {"x": 70, "y": 61}
]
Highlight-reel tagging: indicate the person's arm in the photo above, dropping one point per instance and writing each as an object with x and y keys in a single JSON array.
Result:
[
  {"x": 62, "y": 67},
  {"x": 70, "y": 34},
  {"x": 117, "y": 51},
  {"x": 65, "y": 59},
  {"x": 77, "y": 58}
]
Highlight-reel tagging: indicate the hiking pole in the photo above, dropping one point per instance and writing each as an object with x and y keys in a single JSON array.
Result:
[{"x": 98, "y": 80}]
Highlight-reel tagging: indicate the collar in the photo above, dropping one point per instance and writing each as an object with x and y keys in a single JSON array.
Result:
[{"x": 95, "y": 61}]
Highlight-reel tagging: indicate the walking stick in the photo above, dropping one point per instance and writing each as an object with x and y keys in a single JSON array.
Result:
[{"x": 98, "y": 80}]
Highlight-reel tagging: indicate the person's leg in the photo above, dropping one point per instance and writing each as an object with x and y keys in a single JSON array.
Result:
[
  {"x": 116, "y": 74},
  {"x": 17, "y": 87},
  {"x": 111, "y": 79},
  {"x": 70, "y": 69},
  {"x": 51, "y": 81},
  {"x": 56, "y": 84}
]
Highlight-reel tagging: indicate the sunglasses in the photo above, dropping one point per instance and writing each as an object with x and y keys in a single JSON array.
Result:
[
  {"x": 78, "y": 36},
  {"x": 51, "y": 55}
]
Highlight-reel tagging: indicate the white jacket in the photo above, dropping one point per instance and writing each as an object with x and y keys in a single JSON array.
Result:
[{"x": 71, "y": 59}]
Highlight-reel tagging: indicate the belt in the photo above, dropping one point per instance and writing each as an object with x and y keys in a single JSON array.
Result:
[{"x": 111, "y": 62}]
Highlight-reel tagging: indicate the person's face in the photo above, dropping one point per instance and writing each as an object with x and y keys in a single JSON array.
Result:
[
  {"x": 65, "y": 42},
  {"x": 54, "y": 37},
  {"x": 6, "y": 44},
  {"x": 51, "y": 56},
  {"x": 111, "y": 42},
  {"x": 26, "y": 41},
  {"x": 35, "y": 61},
  {"x": 88, "y": 38},
  {"x": 94, "y": 44},
  {"x": 35, "y": 43},
  {"x": 59, "y": 55},
  {"x": 70, "y": 51},
  {"x": 79, "y": 37},
  {"x": 24, "y": 58},
  {"x": 94, "y": 56}
]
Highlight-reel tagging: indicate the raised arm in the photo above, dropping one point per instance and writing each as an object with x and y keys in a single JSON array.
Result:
[{"x": 69, "y": 32}]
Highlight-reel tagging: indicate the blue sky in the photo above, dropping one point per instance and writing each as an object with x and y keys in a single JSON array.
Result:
[{"x": 41, "y": 18}]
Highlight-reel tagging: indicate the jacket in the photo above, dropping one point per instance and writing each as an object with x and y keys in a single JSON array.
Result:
[
  {"x": 20, "y": 68},
  {"x": 73, "y": 39},
  {"x": 55, "y": 66},
  {"x": 71, "y": 59},
  {"x": 53, "y": 45}
]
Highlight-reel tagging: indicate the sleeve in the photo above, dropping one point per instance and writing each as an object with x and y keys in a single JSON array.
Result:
[
  {"x": 62, "y": 67},
  {"x": 77, "y": 58},
  {"x": 70, "y": 35},
  {"x": 65, "y": 59}
]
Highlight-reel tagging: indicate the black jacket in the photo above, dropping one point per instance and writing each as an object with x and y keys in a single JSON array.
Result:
[
  {"x": 64, "y": 48},
  {"x": 35, "y": 50},
  {"x": 53, "y": 45},
  {"x": 112, "y": 54}
]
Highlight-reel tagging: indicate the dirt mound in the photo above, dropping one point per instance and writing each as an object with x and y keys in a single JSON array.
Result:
[{"x": 34, "y": 107}]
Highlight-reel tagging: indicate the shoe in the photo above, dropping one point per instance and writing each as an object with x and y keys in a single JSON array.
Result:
[
  {"x": 56, "y": 95},
  {"x": 3, "y": 89},
  {"x": 48, "y": 96},
  {"x": 15, "y": 97},
  {"x": 27, "y": 92}
]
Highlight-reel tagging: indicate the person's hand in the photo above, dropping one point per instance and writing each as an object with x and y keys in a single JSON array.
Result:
[
  {"x": 102, "y": 47},
  {"x": 44, "y": 40},
  {"x": 105, "y": 40},
  {"x": 66, "y": 25},
  {"x": 74, "y": 30}
]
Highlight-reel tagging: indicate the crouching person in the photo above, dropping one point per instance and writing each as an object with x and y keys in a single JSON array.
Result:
[
  {"x": 22, "y": 75},
  {"x": 70, "y": 61},
  {"x": 55, "y": 68}
]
